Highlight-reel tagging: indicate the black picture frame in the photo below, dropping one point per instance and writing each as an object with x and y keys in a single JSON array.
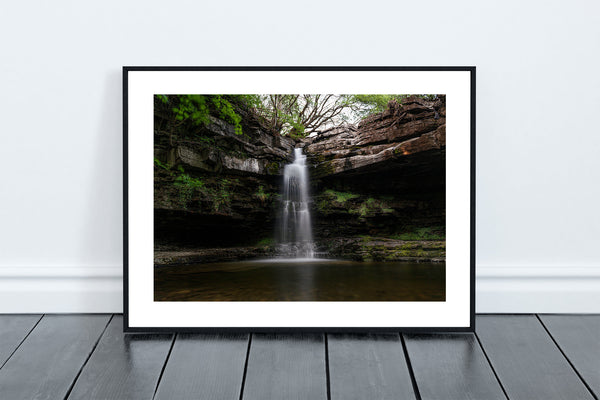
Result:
[{"x": 128, "y": 327}]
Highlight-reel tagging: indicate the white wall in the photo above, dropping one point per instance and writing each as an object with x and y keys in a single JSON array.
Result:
[{"x": 538, "y": 101}]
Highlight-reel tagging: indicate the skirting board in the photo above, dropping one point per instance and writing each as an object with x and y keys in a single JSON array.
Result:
[
  {"x": 529, "y": 289},
  {"x": 61, "y": 289},
  {"x": 506, "y": 289}
]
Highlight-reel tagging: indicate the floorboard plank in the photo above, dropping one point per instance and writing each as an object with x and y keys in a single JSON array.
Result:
[
  {"x": 205, "y": 366},
  {"x": 286, "y": 367},
  {"x": 368, "y": 366},
  {"x": 579, "y": 338},
  {"x": 13, "y": 329},
  {"x": 123, "y": 366},
  {"x": 46, "y": 364},
  {"x": 451, "y": 366},
  {"x": 526, "y": 360}
]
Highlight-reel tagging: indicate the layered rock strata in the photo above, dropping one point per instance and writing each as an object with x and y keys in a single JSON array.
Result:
[{"x": 378, "y": 188}]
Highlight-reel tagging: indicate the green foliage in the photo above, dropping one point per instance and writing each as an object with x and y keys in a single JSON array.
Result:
[
  {"x": 206, "y": 140},
  {"x": 186, "y": 186},
  {"x": 365, "y": 208},
  {"x": 273, "y": 168},
  {"x": 362, "y": 210},
  {"x": 159, "y": 164},
  {"x": 298, "y": 115},
  {"x": 374, "y": 103},
  {"x": 298, "y": 130},
  {"x": 332, "y": 199},
  {"x": 324, "y": 206},
  {"x": 218, "y": 191},
  {"x": 265, "y": 242},
  {"x": 294, "y": 115},
  {"x": 226, "y": 112},
  {"x": 198, "y": 108},
  {"x": 370, "y": 207},
  {"x": 193, "y": 107},
  {"x": 221, "y": 196},
  {"x": 261, "y": 195},
  {"x": 425, "y": 233},
  {"x": 188, "y": 181},
  {"x": 368, "y": 104},
  {"x": 340, "y": 197}
]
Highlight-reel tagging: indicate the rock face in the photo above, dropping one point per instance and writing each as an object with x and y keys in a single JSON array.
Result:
[
  {"x": 378, "y": 188},
  {"x": 219, "y": 149},
  {"x": 219, "y": 254},
  {"x": 382, "y": 141},
  {"x": 384, "y": 177},
  {"x": 386, "y": 249},
  {"x": 213, "y": 187}
]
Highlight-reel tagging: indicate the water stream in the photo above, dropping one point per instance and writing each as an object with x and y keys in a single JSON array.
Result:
[{"x": 295, "y": 231}]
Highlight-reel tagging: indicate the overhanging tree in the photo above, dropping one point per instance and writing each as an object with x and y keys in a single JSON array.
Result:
[{"x": 296, "y": 115}]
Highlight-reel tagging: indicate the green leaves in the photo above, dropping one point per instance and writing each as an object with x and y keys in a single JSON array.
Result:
[
  {"x": 159, "y": 164},
  {"x": 192, "y": 107},
  {"x": 226, "y": 112},
  {"x": 294, "y": 115},
  {"x": 184, "y": 180},
  {"x": 197, "y": 109},
  {"x": 368, "y": 104}
]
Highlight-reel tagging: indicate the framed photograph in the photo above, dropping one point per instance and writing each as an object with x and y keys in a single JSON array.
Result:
[{"x": 299, "y": 198}]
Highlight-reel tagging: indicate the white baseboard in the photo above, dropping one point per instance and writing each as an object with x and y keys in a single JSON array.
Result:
[
  {"x": 61, "y": 289},
  {"x": 529, "y": 289},
  {"x": 499, "y": 289}
]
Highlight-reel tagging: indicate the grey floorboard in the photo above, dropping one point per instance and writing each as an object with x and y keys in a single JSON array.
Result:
[
  {"x": 47, "y": 363},
  {"x": 526, "y": 360},
  {"x": 451, "y": 367},
  {"x": 205, "y": 366},
  {"x": 13, "y": 329},
  {"x": 579, "y": 338},
  {"x": 368, "y": 366},
  {"x": 286, "y": 366},
  {"x": 123, "y": 366}
]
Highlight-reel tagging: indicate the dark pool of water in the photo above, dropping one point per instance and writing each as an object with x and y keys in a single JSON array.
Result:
[{"x": 324, "y": 280}]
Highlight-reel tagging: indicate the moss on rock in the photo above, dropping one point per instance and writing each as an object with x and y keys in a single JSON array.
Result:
[{"x": 273, "y": 168}]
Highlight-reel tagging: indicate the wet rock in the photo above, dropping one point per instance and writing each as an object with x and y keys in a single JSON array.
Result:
[
  {"x": 181, "y": 257},
  {"x": 384, "y": 249}
]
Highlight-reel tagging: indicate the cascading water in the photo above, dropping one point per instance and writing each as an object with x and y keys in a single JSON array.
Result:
[{"x": 295, "y": 229}]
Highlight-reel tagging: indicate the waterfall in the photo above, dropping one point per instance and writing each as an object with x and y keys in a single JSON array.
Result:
[{"x": 295, "y": 229}]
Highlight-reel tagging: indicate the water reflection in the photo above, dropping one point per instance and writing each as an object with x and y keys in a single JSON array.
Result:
[{"x": 309, "y": 280}]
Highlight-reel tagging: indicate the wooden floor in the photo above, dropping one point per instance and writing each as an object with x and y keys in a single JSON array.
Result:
[{"x": 511, "y": 356}]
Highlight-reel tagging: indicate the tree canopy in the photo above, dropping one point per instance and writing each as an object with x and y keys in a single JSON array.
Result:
[{"x": 296, "y": 115}]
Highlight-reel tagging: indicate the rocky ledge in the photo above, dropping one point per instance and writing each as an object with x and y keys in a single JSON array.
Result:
[
  {"x": 382, "y": 141},
  {"x": 386, "y": 249},
  {"x": 354, "y": 248},
  {"x": 218, "y": 149},
  {"x": 384, "y": 178},
  {"x": 196, "y": 256}
]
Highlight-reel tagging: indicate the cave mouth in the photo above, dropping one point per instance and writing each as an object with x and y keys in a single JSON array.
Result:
[{"x": 394, "y": 199}]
